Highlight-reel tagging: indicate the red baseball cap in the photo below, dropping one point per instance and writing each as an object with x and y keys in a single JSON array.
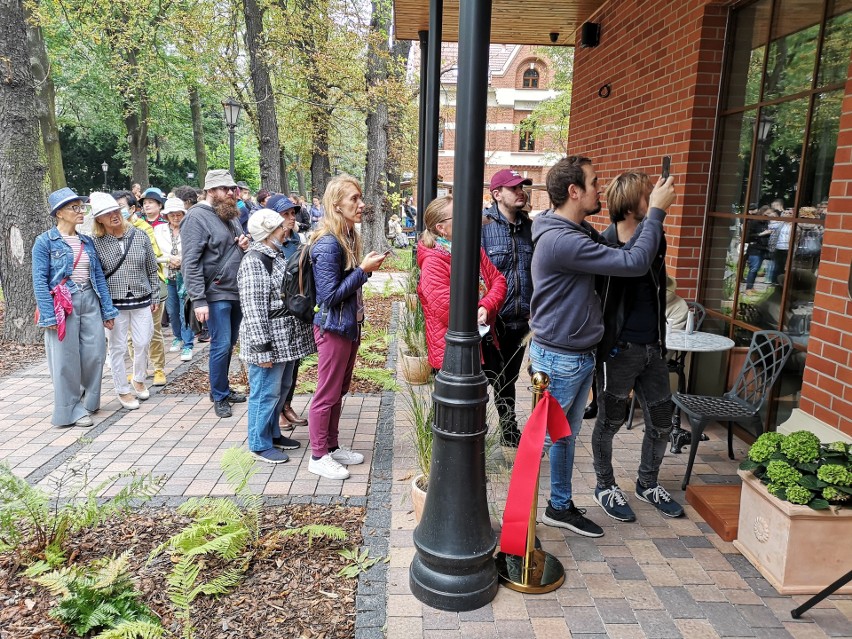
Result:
[{"x": 508, "y": 177}]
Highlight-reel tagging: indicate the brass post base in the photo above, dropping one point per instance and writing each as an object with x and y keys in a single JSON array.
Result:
[{"x": 546, "y": 574}]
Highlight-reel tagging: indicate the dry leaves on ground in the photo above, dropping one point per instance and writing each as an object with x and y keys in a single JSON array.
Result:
[
  {"x": 290, "y": 589},
  {"x": 16, "y": 355}
]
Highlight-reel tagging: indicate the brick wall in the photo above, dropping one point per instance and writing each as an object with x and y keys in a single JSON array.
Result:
[
  {"x": 827, "y": 384},
  {"x": 663, "y": 62}
]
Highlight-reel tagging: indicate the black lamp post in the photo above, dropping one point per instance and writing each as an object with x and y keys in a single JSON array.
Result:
[
  {"x": 454, "y": 566},
  {"x": 232, "y": 115},
  {"x": 105, "y": 168}
]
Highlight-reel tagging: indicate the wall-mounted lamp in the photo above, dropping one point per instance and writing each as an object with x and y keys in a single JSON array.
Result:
[
  {"x": 554, "y": 36},
  {"x": 590, "y": 34}
]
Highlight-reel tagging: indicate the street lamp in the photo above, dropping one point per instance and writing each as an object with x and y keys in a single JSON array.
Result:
[
  {"x": 190, "y": 176},
  {"x": 232, "y": 115},
  {"x": 105, "y": 168}
]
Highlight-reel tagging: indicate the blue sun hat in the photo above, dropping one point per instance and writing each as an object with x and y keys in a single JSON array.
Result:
[
  {"x": 153, "y": 193},
  {"x": 60, "y": 198},
  {"x": 280, "y": 203}
]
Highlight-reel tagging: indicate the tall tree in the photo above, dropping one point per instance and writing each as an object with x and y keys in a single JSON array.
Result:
[
  {"x": 45, "y": 102},
  {"x": 22, "y": 196},
  {"x": 264, "y": 97},
  {"x": 198, "y": 133}
]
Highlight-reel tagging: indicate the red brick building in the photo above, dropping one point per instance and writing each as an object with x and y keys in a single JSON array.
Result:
[
  {"x": 753, "y": 101},
  {"x": 520, "y": 78}
]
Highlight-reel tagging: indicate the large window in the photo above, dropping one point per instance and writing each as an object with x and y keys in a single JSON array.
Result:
[
  {"x": 530, "y": 79},
  {"x": 775, "y": 153}
]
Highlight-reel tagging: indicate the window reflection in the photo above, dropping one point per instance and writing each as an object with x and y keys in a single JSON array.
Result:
[
  {"x": 751, "y": 33},
  {"x": 735, "y": 156},
  {"x": 822, "y": 146},
  {"x": 722, "y": 266},
  {"x": 834, "y": 59},
  {"x": 792, "y": 52},
  {"x": 780, "y": 152}
]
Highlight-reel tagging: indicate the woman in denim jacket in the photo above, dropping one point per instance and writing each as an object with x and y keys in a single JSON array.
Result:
[
  {"x": 61, "y": 256},
  {"x": 338, "y": 277}
]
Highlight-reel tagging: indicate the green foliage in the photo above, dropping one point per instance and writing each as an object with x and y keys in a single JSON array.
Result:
[
  {"x": 221, "y": 528},
  {"x": 358, "y": 562},
  {"x": 418, "y": 401},
  {"x": 314, "y": 531},
  {"x": 102, "y": 596},
  {"x": 799, "y": 469},
  {"x": 36, "y": 523},
  {"x": 382, "y": 377},
  {"x": 413, "y": 328}
]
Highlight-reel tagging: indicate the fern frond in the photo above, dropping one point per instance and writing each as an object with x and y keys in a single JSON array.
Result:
[
  {"x": 226, "y": 546},
  {"x": 312, "y": 531},
  {"x": 133, "y": 630},
  {"x": 221, "y": 584},
  {"x": 113, "y": 571},
  {"x": 57, "y": 582},
  {"x": 239, "y": 467}
]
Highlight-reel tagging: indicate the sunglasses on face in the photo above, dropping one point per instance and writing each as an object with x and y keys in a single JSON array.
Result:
[{"x": 230, "y": 189}]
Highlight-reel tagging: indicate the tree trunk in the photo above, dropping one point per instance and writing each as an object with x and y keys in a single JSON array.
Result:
[
  {"x": 267, "y": 119},
  {"x": 376, "y": 212},
  {"x": 198, "y": 134},
  {"x": 23, "y": 205},
  {"x": 285, "y": 171},
  {"x": 136, "y": 122},
  {"x": 300, "y": 183},
  {"x": 45, "y": 104}
]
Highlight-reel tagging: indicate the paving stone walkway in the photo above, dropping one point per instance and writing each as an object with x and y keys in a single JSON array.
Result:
[{"x": 657, "y": 577}]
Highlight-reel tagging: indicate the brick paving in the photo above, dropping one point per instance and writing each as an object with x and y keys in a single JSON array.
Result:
[{"x": 655, "y": 578}]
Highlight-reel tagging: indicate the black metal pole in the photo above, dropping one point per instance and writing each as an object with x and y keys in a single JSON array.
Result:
[
  {"x": 421, "y": 133},
  {"x": 433, "y": 102},
  {"x": 231, "y": 141},
  {"x": 453, "y": 568}
]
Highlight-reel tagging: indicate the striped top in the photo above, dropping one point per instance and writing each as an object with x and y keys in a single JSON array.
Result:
[{"x": 80, "y": 275}]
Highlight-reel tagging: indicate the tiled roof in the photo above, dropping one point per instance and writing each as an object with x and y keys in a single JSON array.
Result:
[{"x": 500, "y": 55}]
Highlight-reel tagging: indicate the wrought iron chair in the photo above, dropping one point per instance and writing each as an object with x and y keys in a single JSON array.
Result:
[
  {"x": 676, "y": 364},
  {"x": 767, "y": 354}
]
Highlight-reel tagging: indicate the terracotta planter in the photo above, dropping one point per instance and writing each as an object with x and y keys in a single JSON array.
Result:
[
  {"x": 415, "y": 370},
  {"x": 418, "y": 496},
  {"x": 799, "y": 550}
]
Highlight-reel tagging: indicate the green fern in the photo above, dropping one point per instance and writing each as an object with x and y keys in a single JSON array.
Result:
[
  {"x": 133, "y": 630},
  {"x": 380, "y": 376},
  {"x": 312, "y": 531},
  {"x": 101, "y": 595}
]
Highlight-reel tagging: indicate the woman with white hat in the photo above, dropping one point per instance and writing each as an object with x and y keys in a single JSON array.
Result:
[
  {"x": 130, "y": 268},
  {"x": 271, "y": 340},
  {"x": 65, "y": 265},
  {"x": 168, "y": 239}
]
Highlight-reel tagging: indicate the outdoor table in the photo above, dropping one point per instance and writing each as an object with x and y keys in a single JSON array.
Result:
[{"x": 686, "y": 344}]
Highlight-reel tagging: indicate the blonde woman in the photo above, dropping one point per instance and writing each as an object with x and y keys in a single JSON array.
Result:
[
  {"x": 339, "y": 275},
  {"x": 130, "y": 267}
]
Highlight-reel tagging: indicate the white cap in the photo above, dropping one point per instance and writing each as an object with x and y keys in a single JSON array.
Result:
[
  {"x": 102, "y": 203},
  {"x": 262, "y": 223},
  {"x": 174, "y": 205}
]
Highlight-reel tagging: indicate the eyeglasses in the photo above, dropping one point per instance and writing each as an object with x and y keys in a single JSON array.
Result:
[
  {"x": 77, "y": 208},
  {"x": 230, "y": 189}
]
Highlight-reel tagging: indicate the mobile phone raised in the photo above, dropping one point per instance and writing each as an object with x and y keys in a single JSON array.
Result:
[{"x": 667, "y": 163}]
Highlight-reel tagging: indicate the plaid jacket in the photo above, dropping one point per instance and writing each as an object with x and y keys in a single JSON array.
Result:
[
  {"x": 510, "y": 249},
  {"x": 137, "y": 276},
  {"x": 267, "y": 334}
]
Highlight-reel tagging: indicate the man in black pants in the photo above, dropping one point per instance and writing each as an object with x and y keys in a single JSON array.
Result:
[
  {"x": 632, "y": 356},
  {"x": 507, "y": 239}
]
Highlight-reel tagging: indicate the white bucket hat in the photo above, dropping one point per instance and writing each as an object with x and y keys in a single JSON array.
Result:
[
  {"x": 262, "y": 223},
  {"x": 174, "y": 205},
  {"x": 102, "y": 203}
]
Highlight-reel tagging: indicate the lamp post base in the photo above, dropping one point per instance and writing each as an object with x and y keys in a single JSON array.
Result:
[
  {"x": 546, "y": 573},
  {"x": 453, "y": 592}
]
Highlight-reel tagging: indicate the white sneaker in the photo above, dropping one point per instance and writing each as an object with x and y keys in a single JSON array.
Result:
[
  {"x": 347, "y": 457},
  {"x": 177, "y": 344},
  {"x": 327, "y": 467},
  {"x": 84, "y": 421}
]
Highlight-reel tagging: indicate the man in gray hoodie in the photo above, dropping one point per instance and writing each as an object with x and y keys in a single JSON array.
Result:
[
  {"x": 566, "y": 316},
  {"x": 213, "y": 246}
]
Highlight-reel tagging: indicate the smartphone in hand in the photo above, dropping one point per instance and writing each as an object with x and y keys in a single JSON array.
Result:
[{"x": 667, "y": 163}]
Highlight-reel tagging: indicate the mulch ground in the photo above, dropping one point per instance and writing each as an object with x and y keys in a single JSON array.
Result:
[
  {"x": 196, "y": 380},
  {"x": 290, "y": 589},
  {"x": 16, "y": 355}
]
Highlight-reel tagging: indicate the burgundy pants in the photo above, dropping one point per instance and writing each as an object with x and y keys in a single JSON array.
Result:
[{"x": 334, "y": 374}]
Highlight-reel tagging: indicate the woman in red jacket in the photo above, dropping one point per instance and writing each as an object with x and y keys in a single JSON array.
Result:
[{"x": 433, "y": 258}]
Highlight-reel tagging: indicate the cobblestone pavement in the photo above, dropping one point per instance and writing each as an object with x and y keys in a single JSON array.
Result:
[{"x": 655, "y": 578}]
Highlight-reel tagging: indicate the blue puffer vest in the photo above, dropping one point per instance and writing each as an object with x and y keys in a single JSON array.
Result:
[
  {"x": 510, "y": 249},
  {"x": 337, "y": 289}
]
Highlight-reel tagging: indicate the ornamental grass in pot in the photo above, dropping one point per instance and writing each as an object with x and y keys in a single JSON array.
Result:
[{"x": 794, "y": 509}]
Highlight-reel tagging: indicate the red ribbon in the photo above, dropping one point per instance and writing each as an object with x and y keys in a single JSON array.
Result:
[{"x": 547, "y": 416}]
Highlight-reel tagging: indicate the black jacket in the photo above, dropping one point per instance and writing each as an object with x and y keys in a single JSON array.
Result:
[{"x": 618, "y": 295}]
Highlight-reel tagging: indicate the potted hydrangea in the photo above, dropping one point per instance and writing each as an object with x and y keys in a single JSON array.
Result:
[{"x": 794, "y": 506}]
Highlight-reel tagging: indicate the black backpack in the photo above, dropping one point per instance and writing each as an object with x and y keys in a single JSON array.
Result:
[{"x": 298, "y": 290}]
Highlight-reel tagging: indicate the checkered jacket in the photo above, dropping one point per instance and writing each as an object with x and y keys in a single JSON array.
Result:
[
  {"x": 267, "y": 333},
  {"x": 137, "y": 276}
]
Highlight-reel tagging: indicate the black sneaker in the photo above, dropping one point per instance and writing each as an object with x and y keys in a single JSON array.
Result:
[
  {"x": 614, "y": 502},
  {"x": 233, "y": 397},
  {"x": 571, "y": 518},
  {"x": 659, "y": 497},
  {"x": 285, "y": 443},
  {"x": 203, "y": 336},
  {"x": 222, "y": 408}
]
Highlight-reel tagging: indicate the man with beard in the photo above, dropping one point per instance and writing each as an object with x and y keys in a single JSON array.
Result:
[
  {"x": 507, "y": 240},
  {"x": 213, "y": 245},
  {"x": 566, "y": 315}
]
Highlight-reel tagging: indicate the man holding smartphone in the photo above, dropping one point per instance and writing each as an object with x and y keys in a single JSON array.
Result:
[{"x": 566, "y": 313}]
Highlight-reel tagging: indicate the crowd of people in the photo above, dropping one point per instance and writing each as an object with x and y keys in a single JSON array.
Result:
[{"x": 216, "y": 259}]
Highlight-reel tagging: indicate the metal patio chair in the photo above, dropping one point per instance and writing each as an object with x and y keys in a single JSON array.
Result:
[
  {"x": 677, "y": 364},
  {"x": 767, "y": 354}
]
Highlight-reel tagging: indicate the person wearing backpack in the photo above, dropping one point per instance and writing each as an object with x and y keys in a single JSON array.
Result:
[
  {"x": 290, "y": 245},
  {"x": 338, "y": 277},
  {"x": 271, "y": 339}
]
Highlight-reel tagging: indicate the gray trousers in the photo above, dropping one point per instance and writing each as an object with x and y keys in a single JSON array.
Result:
[{"x": 76, "y": 363}]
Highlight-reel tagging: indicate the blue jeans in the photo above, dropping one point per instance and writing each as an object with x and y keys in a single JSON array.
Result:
[
  {"x": 754, "y": 262},
  {"x": 174, "y": 307},
  {"x": 224, "y": 326},
  {"x": 571, "y": 378},
  {"x": 269, "y": 388}
]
